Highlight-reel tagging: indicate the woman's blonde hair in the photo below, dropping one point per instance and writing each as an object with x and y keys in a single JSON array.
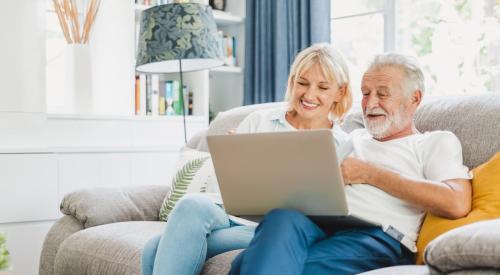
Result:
[{"x": 333, "y": 67}]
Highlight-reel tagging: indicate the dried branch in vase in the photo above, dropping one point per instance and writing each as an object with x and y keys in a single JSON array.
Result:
[{"x": 68, "y": 15}]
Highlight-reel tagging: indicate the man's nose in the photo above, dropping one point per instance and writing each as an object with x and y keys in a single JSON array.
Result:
[{"x": 371, "y": 101}]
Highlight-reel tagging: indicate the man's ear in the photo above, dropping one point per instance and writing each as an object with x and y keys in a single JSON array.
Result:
[{"x": 416, "y": 98}]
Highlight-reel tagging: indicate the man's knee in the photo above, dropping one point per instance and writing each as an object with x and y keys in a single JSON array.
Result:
[{"x": 287, "y": 217}]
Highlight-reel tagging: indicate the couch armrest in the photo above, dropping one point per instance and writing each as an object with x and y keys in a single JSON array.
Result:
[
  {"x": 63, "y": 228},
  {"x": 97, "y": 206}
]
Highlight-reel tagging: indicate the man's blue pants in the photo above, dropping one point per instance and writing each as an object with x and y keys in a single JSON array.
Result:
[{"x": 287, "y": 242}]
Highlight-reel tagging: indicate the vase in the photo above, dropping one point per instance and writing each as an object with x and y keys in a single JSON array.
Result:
[{"x": 78, "y": 80}]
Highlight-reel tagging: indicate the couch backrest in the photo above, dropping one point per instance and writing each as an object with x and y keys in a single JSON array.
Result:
[{"x": 474, "y": 119}]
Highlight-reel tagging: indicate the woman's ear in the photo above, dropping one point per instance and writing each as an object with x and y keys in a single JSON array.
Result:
[{"x": 341, "y": 92}]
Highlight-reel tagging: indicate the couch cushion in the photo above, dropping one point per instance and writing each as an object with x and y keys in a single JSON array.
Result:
[
  {"x": 97, "y": 206},
  {"x": 106, "y": 249},
  {"x": 485, "y": 205},
  {"x": 220, "y": 264},
  {"x": 474, "y": 246},
  {"x": 473, "y": 119},
  {"x": 400, "y": 269}
]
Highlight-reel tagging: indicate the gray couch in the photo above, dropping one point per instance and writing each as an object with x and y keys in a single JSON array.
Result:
[{"x": 103, "y": 230}]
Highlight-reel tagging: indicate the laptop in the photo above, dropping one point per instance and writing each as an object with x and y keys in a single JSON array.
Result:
[{"x": 296, "y": 170}]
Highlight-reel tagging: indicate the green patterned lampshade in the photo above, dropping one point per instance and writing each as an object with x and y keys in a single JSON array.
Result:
[{"x": 173, "y": 32}]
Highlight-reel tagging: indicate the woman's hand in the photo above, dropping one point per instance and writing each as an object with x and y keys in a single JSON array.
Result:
[{"x": 357, "y": 171}]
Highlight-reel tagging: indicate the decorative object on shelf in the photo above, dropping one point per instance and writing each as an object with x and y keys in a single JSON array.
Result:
[
  {"x": 178, "y": 38},
  {"x": 68, "y": 15},
  {"x": 218, "y": 4},
  {"x": 4, "y": 254},
  {"x": 78, "y": 78}
]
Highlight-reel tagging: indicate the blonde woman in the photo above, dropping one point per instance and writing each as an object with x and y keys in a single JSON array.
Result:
[{"x": 318, "y": 96}]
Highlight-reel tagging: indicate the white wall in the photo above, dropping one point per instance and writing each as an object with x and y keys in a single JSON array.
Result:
[
  {"x": 22, "y": 56},
  {"x": 112, "y": 50}
]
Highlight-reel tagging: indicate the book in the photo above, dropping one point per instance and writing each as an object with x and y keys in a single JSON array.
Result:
[
  {"x": 137, "y": 95},
  {"x": 178, "y": 100},
  {"x": 155, "y": 100},
  {"x": 169, "y": 98},
  {"x": 142, "y": 83},
  {"x": 149, "y": 96},
  {"x": 186, "y": 99},
  {"x": 190, "y": 103}
]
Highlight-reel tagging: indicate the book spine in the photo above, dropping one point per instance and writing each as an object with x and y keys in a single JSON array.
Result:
[
  {"x": 162, "y": 103},
  {"x": 142, "y": 88},
  {"x": 186, "y": 99},
  {"x": 137, "y": 95},
  {"x": 149, "y": 96},
  {"x": 177, "y": 98},
  {"x": 190, "y": 103},
  {"x": 155, "y": 86},
  {"x": 169, "y": 98}
]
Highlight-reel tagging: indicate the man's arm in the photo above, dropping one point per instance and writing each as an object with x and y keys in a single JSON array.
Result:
[{"x": 450, "y": 198}]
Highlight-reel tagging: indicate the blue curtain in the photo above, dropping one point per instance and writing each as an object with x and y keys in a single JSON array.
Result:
[{"x": 275, "y": 31}]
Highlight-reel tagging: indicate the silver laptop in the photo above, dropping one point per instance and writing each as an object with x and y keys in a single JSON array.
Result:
[{"x": 296, "y": 170}]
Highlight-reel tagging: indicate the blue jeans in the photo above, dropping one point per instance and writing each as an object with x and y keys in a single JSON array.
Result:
[
  {"x": 287, "y": 242},
  {"x": 197, "y": 229}
]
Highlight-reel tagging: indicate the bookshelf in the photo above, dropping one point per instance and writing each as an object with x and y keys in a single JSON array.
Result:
[
  {"x": 221, "y": 88},
  {"x": 226, "y": 82}
]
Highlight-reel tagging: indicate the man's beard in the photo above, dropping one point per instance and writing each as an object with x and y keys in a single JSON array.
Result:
[{"x": 382, "y": 129}]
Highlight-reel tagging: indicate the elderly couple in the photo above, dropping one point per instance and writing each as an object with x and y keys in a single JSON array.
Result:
[{"x": 393, "y": 175}]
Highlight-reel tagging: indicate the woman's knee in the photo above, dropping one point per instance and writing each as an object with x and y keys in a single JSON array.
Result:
[{"x": 193, "y": 204}]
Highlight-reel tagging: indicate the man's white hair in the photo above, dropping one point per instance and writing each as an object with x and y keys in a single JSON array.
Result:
[{"x": 414, "y": 77}]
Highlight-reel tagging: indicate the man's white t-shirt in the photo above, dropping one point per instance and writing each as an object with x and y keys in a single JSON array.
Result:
[{"x": 433, "y": 156}]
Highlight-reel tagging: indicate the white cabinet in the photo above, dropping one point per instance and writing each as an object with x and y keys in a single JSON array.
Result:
[{"x": 28, "y": 184}]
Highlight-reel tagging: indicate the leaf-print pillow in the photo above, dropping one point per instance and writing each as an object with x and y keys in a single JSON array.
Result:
[{"x": 195, "y": 174}]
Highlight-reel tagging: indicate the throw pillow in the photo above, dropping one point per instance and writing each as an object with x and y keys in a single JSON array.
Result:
[
  {"x": 195, "y": 174},
  {"x": 485, "y": 205},
  {"x": 472, "y": 247}
]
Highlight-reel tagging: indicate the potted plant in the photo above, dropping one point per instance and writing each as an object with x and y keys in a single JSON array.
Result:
[{"x": 4, "y": 254}]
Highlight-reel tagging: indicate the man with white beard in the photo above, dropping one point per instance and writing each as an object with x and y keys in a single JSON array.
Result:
[
  {"x": 393, "y": 176},
  {"x": 395, "y": 173}
]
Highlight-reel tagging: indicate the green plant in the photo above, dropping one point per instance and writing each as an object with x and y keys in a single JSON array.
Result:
[{"x": 4, "y": 253}]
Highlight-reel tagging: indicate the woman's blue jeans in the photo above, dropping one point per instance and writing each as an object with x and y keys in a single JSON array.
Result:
[{"x": 197, "y": 229}]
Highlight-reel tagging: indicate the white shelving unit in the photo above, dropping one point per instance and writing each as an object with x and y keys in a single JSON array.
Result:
[
  {"x": 222, "y": 87},
  {"x": 226, "y": 82}
]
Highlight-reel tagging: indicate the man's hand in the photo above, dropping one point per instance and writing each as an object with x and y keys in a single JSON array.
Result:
[
  {"x": 449, "y": 198},
  {"x": 357, "y": 171}
]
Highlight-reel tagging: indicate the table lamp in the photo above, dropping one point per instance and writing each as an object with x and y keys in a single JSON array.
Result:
[{"x": 178, "y": 37}]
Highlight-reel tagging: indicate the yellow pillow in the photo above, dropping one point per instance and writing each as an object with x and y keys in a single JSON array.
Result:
[{"x": 485, "y": 205}]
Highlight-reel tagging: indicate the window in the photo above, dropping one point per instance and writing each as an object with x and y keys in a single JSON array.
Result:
[{"x": 457, "y": 42}]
